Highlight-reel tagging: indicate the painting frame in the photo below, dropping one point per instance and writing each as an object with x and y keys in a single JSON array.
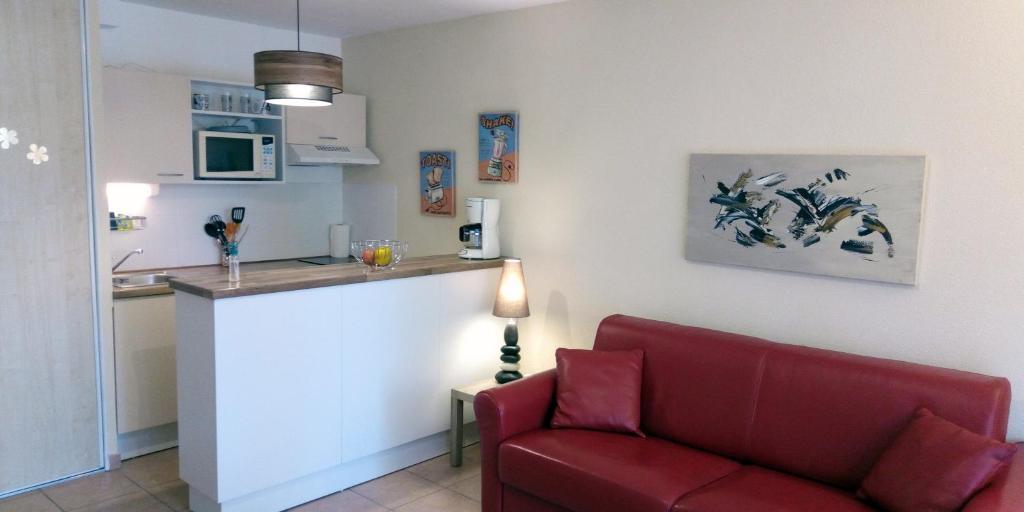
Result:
[
  {"x": 850, "y": 216},
  {"x": 437, "y": 183},
  {"x": 498, "y": 150}
]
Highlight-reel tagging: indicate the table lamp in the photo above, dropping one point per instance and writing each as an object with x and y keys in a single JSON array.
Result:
[{"x": 511, "y": 303}]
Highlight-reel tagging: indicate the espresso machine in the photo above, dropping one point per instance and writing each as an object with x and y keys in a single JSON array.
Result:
[{"x": 481, "y": 234}]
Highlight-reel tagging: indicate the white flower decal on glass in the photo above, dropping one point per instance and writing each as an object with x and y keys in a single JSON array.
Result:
[
  {"x": 37, "y": 154},
  {"x": 8, "y": 138}
]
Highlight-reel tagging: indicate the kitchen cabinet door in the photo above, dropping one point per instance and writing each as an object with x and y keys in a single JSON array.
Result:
[
  {"x": 341, "y": 124},
  {"x": 471, "y": 337},
  {"x": 390, "y": 358},
  {"x": 144, "y": 362},
  {"x": 147, "y": 128}
]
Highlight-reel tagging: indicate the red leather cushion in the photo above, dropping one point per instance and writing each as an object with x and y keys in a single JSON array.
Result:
[
  {"x": 519, "y": 501},
  {"x": 762, "y": 490},
  {"x": 598, "y": 390},
  {"x": 934, "y": 466},
  {"x": 828, "y": 416},
  {"x": 688, "y": 369},
  {"x": 593, "y": 471}
]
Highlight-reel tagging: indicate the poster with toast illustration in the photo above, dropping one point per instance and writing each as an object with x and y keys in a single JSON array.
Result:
[
  {"x": 499, "y": 147},
  {"x": 437, "y": 183}
]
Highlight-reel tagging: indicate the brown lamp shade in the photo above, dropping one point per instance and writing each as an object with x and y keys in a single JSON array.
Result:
[
  {"x": 297, "y": 78},
  {"x": 511, "y": 300}
]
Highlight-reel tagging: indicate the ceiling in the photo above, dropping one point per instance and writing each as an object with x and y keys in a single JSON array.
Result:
[{"x": 343, "y": 18}]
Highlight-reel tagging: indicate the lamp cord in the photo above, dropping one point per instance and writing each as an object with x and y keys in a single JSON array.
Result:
[{"x": 298, "y": 31}]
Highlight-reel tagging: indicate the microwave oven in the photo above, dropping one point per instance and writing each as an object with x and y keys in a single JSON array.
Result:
[{"x": 235, "y": 156}]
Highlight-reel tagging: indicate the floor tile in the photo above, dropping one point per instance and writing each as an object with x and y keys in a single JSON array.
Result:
[
  {"x": 396, "y": 489},
  {"x": 174, "y": 495},
  {"x": 469, "y": 488},
  {"x": 442, "y": 501},
  {"x": 441, "y": 472},
  {"x": 471, "y": 452},
  {"x": 135, "y": 502},
  {"x": 345, "y": 501},
  {"x": 91, "y": 489},
  {"x": 33, "y": 501},
  {"x": 153, "y": 470}
]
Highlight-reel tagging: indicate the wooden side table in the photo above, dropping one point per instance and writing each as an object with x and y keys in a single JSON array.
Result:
[{"x": 460, "y": 396}]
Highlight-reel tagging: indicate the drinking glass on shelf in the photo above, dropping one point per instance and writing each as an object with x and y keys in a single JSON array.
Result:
[
  {"x": 200, "y": 101},
  {"x": 258, "y": 106},
  {"x": 245, "y": 104},
  {"x": 226, "y": 102}
]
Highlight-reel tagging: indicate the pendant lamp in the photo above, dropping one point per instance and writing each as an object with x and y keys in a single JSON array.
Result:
[{"x": 296, "y": 78}]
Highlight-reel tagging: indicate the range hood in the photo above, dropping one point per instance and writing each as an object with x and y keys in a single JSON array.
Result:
[{"x": 325, "y": 154}]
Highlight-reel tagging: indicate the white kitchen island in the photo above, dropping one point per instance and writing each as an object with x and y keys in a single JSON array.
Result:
[{"x": 298, "y": 383}]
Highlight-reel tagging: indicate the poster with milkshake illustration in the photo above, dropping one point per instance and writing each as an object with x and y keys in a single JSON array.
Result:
[
  {"x": 499, "y": 147},
  {"x": 437, "y": 183}
]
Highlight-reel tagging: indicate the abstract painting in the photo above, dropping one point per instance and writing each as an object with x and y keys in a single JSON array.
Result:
[
  {"x": 844, "y": 216},
  {"x": 499, "y": 147},
  {"x": 437, "y": 183}
]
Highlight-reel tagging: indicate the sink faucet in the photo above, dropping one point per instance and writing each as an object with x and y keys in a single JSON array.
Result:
[{"x": 126, "y": 256}]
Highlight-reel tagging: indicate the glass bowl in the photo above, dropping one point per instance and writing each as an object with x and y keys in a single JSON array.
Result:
[{"x": 379, "y": 254}]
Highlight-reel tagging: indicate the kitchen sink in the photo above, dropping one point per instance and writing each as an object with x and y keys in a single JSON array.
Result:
[{"x": 137, "y": 280}]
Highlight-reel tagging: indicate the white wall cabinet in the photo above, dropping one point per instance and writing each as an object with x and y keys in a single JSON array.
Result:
[
  {"x": 147, "y": 135},
  {"x": 144, "y": 362},
  {"x": 341, "y": 124}
]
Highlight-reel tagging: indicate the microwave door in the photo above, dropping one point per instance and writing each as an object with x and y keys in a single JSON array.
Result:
[{"x": 229, "y": 155}]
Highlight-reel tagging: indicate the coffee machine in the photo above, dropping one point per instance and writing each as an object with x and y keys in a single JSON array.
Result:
[{"x": 481, "y": 234}]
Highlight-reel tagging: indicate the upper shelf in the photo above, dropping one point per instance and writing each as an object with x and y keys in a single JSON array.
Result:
[{"x": 219, "y": 113}]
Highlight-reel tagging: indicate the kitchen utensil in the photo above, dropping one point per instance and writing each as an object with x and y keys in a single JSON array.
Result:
[
  {"x": 242, "y": 237},
  {"x": 238, "y": 214},
  {"x": 379, "y": 254},
  {"x": 211, "y": 230},
  {"x": 230, "y": 231},
  {"x": 219, "y": 228}
]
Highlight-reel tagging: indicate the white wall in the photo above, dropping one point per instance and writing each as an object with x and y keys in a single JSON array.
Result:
[
  {"x": 615, "y": 95},
  {"x": 286, "y": 221}
]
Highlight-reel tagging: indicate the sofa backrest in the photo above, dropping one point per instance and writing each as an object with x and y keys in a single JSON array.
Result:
[{"x": 815, "y": 413}]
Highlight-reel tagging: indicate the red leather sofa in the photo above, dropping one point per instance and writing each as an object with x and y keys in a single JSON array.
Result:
[{"x": 733, "y": 424}]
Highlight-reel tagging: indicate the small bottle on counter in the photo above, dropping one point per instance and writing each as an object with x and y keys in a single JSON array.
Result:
[{"x": 234, "y": 267}]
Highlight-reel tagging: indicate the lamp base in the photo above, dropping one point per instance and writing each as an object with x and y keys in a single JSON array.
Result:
[
  {"x": 509, "y": 355},
  {"x": 502, "y": 377}
]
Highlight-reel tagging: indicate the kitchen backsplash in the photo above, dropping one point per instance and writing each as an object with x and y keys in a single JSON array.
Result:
[{"x": 284, "y": 220}]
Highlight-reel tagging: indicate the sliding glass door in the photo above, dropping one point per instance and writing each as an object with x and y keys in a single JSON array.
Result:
[{"x": 49, "y": 413}]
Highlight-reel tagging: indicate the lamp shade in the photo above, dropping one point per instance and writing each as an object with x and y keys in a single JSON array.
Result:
[
  {"x": 511, "y": 300},
  {"x": 297, "y": 78}
]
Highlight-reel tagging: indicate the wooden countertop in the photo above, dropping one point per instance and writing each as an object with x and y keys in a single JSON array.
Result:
[
  {"x": 216, "y": 286},
  {"x": 198, "y": 271}
]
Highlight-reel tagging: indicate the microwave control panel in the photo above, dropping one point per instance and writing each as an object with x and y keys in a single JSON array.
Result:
[{"x": 268, "y": 153}]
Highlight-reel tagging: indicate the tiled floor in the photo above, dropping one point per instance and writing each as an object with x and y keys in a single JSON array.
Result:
[{"x": 150, "y": 484}]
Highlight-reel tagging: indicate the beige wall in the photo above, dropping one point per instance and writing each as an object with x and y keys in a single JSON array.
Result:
[{"x": 615, "y": 95}]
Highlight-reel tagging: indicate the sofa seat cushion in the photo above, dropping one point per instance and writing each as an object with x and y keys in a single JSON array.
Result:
[
  {"x": 590, "y": 471},
  {"x": 764, "y": 490}
]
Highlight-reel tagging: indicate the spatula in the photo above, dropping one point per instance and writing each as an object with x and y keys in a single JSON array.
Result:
[{"x": 238, "y": 214}]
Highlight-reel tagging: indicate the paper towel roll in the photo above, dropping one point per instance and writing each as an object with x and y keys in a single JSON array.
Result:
[{"x": 339, "y": 240}]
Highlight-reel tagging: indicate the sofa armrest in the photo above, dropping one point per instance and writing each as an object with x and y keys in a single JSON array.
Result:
[
  {"x": 1006, "y": 493},
  {"x": 503, "y": 412}
]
